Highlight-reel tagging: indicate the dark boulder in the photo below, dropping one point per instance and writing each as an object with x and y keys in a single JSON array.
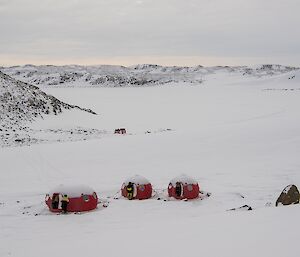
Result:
[{"x": 289, "y": 195}]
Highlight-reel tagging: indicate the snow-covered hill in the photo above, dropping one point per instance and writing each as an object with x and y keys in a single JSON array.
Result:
[
  {"x": 21, "y": 104},
  {"x": 139, "y": 75}
]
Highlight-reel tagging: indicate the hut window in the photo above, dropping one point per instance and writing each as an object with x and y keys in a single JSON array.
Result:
[
  {"x": 85, "y": 198},
  {"x": 190, "y": 187},
  {"x": 142, "y": 188}
]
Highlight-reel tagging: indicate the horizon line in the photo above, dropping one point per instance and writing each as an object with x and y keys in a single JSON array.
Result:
[{"x": 150, "y": 64}]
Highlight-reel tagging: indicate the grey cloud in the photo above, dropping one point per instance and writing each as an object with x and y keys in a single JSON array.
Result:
[{"x": 104, "y": 28}]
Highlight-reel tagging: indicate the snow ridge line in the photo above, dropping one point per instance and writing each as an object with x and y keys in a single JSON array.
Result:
[{"x": 134, "y": 76}]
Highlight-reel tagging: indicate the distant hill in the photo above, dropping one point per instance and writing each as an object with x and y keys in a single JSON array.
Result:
[
  {"x": 22, "y": 103},
  {"x": 139, "y": 75}
]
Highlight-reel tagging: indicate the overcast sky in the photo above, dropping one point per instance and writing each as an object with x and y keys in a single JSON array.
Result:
[{"x": 168, "y": 32}]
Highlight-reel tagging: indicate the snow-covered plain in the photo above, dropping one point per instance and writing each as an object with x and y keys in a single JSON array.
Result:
[{"x": 238, "y": 137}]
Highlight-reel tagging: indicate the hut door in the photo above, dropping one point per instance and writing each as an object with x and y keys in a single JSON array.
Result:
[
  {"x": 179, "y": 189},
  {"x": 55, "y": 201}
]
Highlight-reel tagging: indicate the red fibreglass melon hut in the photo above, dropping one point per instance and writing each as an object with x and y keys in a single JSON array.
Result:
[
  {"x": 81, "y": 198},
  {"x": 183, "y": 187},
  {"x": 142, "y": 188}
]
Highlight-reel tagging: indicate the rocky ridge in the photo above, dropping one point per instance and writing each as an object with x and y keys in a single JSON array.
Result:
[
  {"x": 139, "y": 75},
  {"x": 21, "y": 104}
]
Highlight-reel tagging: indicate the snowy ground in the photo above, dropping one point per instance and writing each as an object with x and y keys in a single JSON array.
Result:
[{"x": 239, "y": 138}]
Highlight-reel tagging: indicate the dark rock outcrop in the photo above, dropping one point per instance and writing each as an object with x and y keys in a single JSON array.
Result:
[
  {"x": 289, "y": 195},
  {"x": 21, "y": 102},
  {"x": 20, "y": 105}
]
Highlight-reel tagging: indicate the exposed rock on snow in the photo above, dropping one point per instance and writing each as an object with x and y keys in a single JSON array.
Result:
[
  {"x": 289, "y": 195},
  {"x": 139, "y": 75},
  {"x": 242, "y": 208},
  {"x": 286, "y": 82},
  {"x": 30, "y": 136},
  {"x": 20, "y": 105},
  {"x": 21, "y": 102}
]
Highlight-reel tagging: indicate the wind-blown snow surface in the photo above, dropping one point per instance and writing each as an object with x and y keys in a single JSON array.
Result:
[{"x": 239, "y": 138}]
